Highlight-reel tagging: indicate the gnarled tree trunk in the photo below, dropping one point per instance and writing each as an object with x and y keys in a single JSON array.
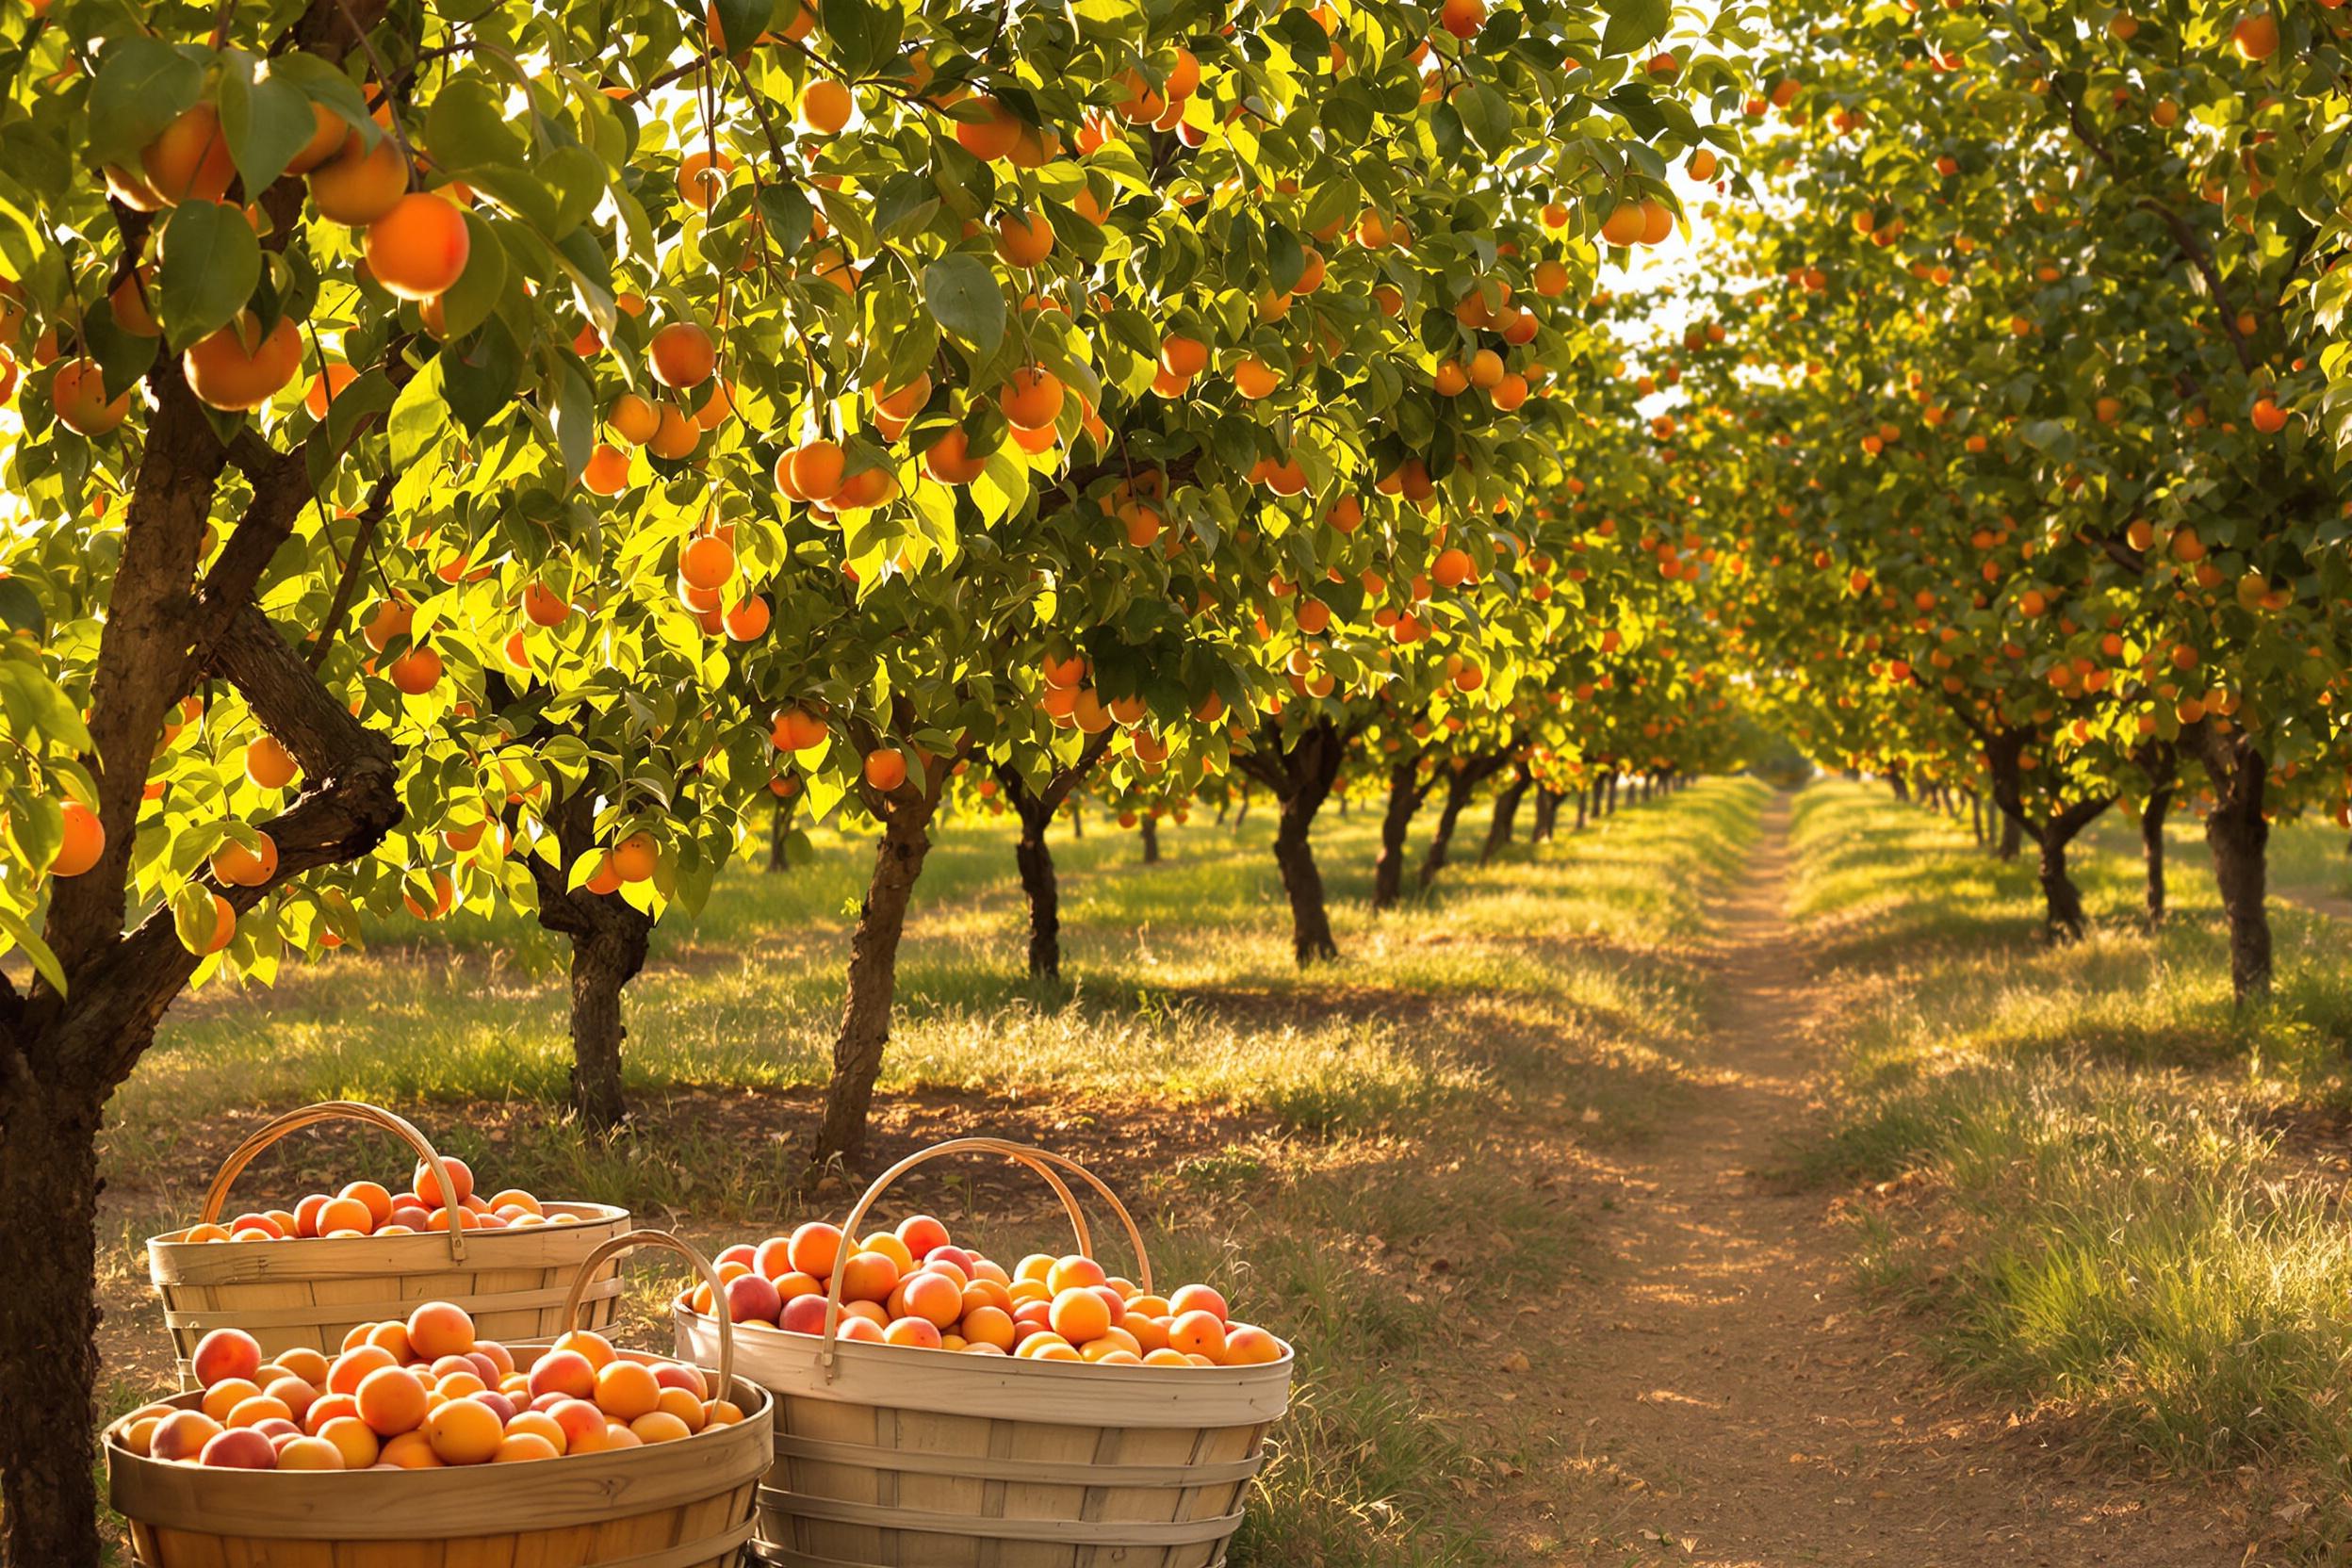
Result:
[
  {"x": 1505, "y": 818},
  {"x": 1407, "y": 789},
  {"x": 609, "y": 937},
  {"x": 865, "y": 1031},
  {"x": 2238, "y": 833},
  {"x": 1043, "y": 889},
  {"x": 1300, "y": 774},
  {"x": 1463, "y": 778},
  {"x": 1546, "y": 815},
  {"x": 2161, "y": 765},
  {"x": 1040, "y": 883}
]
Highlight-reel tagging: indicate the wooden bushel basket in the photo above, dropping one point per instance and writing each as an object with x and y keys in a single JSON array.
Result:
[
  {"x": 686, "y": 1504},
  {"x": 891, "y": 1457},
  {"x": 292, "y": 1295}
]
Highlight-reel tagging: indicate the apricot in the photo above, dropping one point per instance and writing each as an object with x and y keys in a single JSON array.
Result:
[
  {"x": 464, "y": 1432},
  {"x": 360, "y": 183},
  {"x": 707, "y": 562},
  {"x": 816, "y": 1246},
  {"x": 240, "y": 867},
  {"x": 437, "y": 1329},
  {"x": 77, "y": 392},
  {"x": 682, "y": 355},
  {"x": 627, "y": 1390},
  {"x": 825, "y": 105},
  {"x": 392, "y": 1400},
  {"x": 1033, "y": 399},
  {"x": 241, "y": 366},
  {"x": 190, "y": 160},
  {"x": 419, "y": 248},
  {"x": 425, "y": 1181},
  {"x": 886, "y": 770},
  {"x": 82, "y": 842}
]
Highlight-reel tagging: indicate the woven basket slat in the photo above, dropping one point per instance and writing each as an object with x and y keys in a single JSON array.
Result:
[
  {"x": 688, "y": 1504},
  {"x": 892, "y": 1458}
]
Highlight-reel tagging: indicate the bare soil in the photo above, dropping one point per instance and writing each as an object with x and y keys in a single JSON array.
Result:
[{"x": 1719, "y": 1393}]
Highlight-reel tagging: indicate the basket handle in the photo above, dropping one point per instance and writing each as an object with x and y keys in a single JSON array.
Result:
[
  {"x": 1042, "y": 1161},
  {"x": 629, "y": 1240},
  {"x": 217, "y": 1196}
]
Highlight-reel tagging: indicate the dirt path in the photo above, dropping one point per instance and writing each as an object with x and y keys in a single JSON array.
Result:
[{"x": 1725, "y": 1397}]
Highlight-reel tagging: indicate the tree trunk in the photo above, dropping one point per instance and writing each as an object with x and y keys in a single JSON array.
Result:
[
  {"x": 1583, "y": 801},
  {"x": 1612, "y": 794},
  {"x": 1149, "y": 826},
  {"x": 1043, "y": 891},
  {"x": 1309, "y": 922},
  {"x": 2238, "y": 833},
  {"x": 49, "y": 1318},
  {"x": 1901, "y": 785},
  {"x": 1459, "y": 788},
  {"x": 601, "y": 965},
  {"x": 1546, "y": 815},
  {"x": 2062, "y": 902},
  {"x": 1499, "y": 830},
  {"x": 2012, "y": 837},
  {"x": 780, "y": 829},
  {"x": 865, "y": 1031},
  {"x": 2152, "y": 850},
  {"x": 1976, "y": 817},
  {"x": 1405, "y": 794},
  {"x": 1301, "y": 775},
  {"x": 609, "y": 938},
  {"x": 1077, "y": 822},
  {"x": 1241, "y": 811}
]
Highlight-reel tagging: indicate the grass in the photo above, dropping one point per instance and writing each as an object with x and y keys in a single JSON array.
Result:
[
  {"x": 2115, "y": 1195},
  {"x": 1303, "y": 1139}
]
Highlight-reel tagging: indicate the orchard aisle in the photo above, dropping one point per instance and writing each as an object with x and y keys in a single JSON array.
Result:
[{"x": 1722, "y": 1396}]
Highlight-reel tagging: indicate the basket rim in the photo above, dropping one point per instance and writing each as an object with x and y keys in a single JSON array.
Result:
[
  {"x": 761, "y": 1333},
  {"x": 1010, "y": 1388},
  {"x": 376, "y": 1504},
  {"x": 588, "y": 1213}
]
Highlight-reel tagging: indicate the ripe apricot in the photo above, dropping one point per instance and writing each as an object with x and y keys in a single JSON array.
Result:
[
  {"x": 1033, "y": 399},
  {"x": 353, "y": 1439},
  {"x": 419, "y": 248},
  {"x": 707, "y": 562},
  {"x": 677, "y": 435},
  {"x": 438, "y": 1329},
  {"x": 425, "y": 1181},
  {"x": 825, "y": 105},
  {"x": 190, "y": 160},
  {"x": 360, "y": 183},
  {"x": 1023, "y": 240},
  {"x": 992, "y": 131},
  {"x": 682, "y": 355},
  {"x": 634, "y": 857},
  {"x": 83, "y": 841},
  {"x": 886, "y": 768},
  {"x": 241, "y": 366},
  {"x": 950, "y": 459},
  {"x": 627, "y": 1390},
  {"x": 240, "y": 867},
  {"x": 77, "y": 392},
  {"x": 634, "y": 419},
  {"x": 1198, "y": 1333},
  {"x": 607, "y": 471},
  {"x": 702, "y": 177},
  {"x": 417, "y": 670},
  {"x": 1255, "y": 379},
  {"x": 392, "y": 1400}
]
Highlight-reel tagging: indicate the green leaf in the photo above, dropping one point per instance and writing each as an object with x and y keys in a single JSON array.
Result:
[
  {"x": 1485, "y": 116},
  {"x": 44, "y": 962},
  {"x": 965, "y": 298},
  {"x": 865, "y": 33},
  {"x": 421, "y": 415},
  {"x": 788, "y": 218},
  {"x": 210, "y": 261},
  {"x": 143, "y": 85},
  {"x": 36, "y": 708},
  {"x": 323, "y": 84},
  {"x": 466, "y": 126},
  {"x": 1632, "y": 24},
  {"x": 468, "y": 303},
  {"x": 266, "y": 119}
]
